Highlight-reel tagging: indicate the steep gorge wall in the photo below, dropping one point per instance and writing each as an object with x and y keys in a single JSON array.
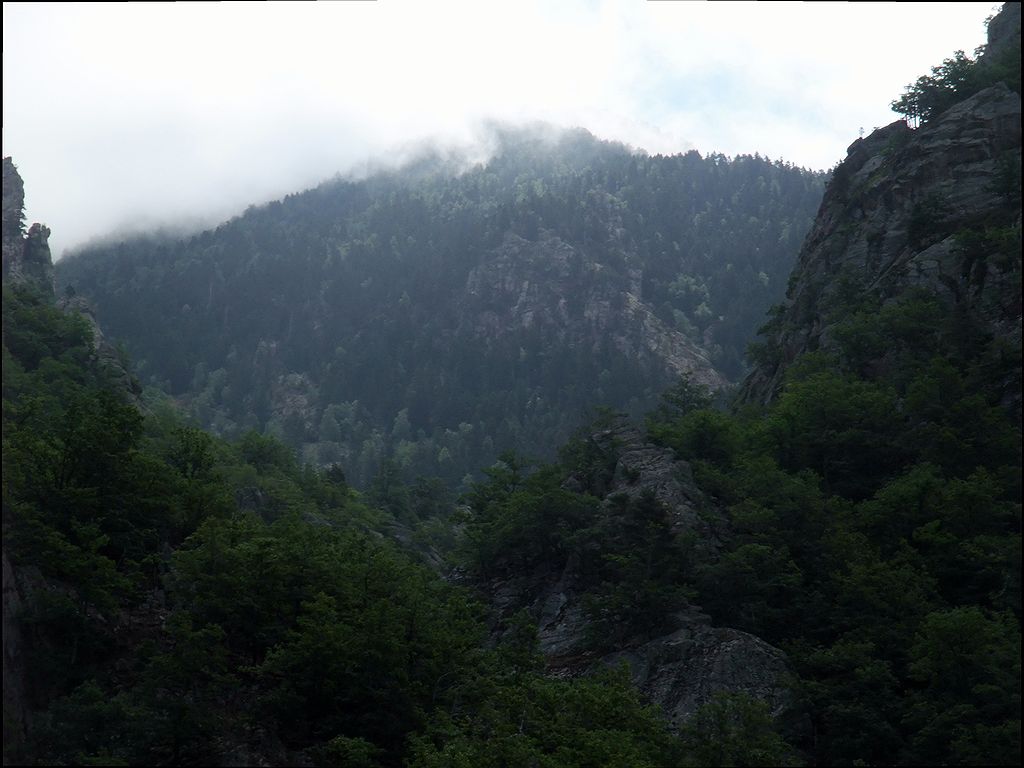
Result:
[
  {"x": 26, "y": 256},
  {"x": 890, "y": 220}
]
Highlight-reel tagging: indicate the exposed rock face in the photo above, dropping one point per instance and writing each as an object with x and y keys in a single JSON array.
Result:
[
  {"x": 27, "y": 261},
  {"x": 684, "y": 670},
  {"x": 946, "y": 174},
  {"x": 26, "y": 257},
  {"x": 551, "y": 285},
  {"x": 644, "y": 467},
  {"x": 1004, "y": 30},
  {"x": 13, "y": 203},
  {"x": 678, "y": 671}
]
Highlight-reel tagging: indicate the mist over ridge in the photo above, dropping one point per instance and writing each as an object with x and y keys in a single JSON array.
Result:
[
  {"x": 449, "y": 308},
  {"x": 409, "y": 160},
  {"x": 119, "y": 132}
]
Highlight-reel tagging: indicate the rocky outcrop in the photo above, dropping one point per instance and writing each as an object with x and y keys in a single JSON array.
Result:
[
  {"x": 684, "y": 670},
  {"x": 13, "y": 209},
  {"x": 1004, "y": 32},
  {"x": 678, "y": 671},
  {"x": 641, "y": 466},
  {"x": 27, "y": 261},
  {"x": 26, "y": 256},
  {"x": 106, "y": 355},
  {"x": 549, "y": 285},
  {"x": 889, "y": 221}
]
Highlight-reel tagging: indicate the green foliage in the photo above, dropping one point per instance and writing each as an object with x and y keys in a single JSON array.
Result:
[
  {"x": 952, "y": 81},
  {"x": 265, "y": 453},
  {"x": 346, "y": 751},
  {"x": 637, "y": 571},
  {"x": 840, "y": 428},
  {"x": 35, "y": 331},
  {"x": 338, "y": 319},
  {"x": 682, "y": 398},
  {"x": 875, "y": 528},
  {"x": 967, "y": 705},
  {"x": 502, "y": 722},
  {"x": 956, "y": 79},
  {"x": 289, "y": 614},
  {"x": 735, "y": 729},
  {"x": 853, "y": 697},
  {"x": 519, "y": 520}
]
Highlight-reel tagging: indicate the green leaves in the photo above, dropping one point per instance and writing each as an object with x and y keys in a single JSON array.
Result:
[
  {"x": 968, "y": 664},
  {"x": 956, "y": 79},
  {"x": 735, "y": 729},
  {"x": 952, "y": 81},
  {"x": 875, "y": 523},
  {"x": 531, "y": 720}
]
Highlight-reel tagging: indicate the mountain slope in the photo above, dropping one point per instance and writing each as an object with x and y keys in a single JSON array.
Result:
[
  {"x": 441, "y": 317},
  {"x": 934, "y": 210},
  {"x": 169, "y": 598}
]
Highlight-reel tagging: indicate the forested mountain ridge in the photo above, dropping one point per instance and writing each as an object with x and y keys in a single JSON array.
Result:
[
  {"x": 870, "y": 472},
  {"x": 860, "y": 504},
  {"x": 440, "y": 317},
  {"x": 169, "y": 598},
  {"x": 826, "y": 574}
]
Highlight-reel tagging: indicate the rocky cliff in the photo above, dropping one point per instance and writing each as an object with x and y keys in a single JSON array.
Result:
[
  {"x": 27, "y": 262},
  {"x": 691, "y": 663},
  {"x": 899, "y": 212},
  {"x": 26, "y": 256},
  {"x": 550, "y": 286}
]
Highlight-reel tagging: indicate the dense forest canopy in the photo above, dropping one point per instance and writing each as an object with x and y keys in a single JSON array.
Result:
[
  {"x": 191, "y": 601},
  {"x": 439, "y": 315},
  {"x": 177, "y": 597}
]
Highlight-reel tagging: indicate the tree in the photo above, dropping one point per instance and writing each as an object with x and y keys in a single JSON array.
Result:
[{"x": 735, "y": 729}]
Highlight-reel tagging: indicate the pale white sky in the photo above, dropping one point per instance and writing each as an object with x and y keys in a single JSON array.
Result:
[{"x": 134, "y": 115}]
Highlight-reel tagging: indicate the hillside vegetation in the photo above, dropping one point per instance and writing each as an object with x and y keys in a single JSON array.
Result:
[
  {"x": 827, "y": 572},
  {"x": 440, "y": 317}
]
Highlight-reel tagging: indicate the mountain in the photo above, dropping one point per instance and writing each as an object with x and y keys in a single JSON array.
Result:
[
  {"x": 934, "y": 211},
  {"x": 825, "y": 573},
  {"x": 869, "y": 474},
  {"x": 854, "y": 519},
  {"x": 439, "y": 314},
  {"x": 170, "y": 598}
]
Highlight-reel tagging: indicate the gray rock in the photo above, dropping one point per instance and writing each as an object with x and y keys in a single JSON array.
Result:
[
  {"x": 549, "y": 285},
  {"x": 1003, "y": 31},
  {"x": 685, "y": 669},
  {"x": 867, "y": 227},
  {"x": 678, "y": 671},
  {"x": 26, "y": 256},
  {"x": 642, "y": 467}
]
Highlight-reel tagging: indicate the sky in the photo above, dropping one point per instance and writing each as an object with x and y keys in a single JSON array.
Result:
[{"x": 131, "y": 116}]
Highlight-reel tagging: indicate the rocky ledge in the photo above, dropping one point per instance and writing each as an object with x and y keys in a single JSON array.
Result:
[
  {"x": 889, "y": 221},
  {"x": 680, "y": 670}
]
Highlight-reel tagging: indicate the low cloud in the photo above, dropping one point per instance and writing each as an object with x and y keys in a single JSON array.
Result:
[{"x": 123, "y": 116}]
